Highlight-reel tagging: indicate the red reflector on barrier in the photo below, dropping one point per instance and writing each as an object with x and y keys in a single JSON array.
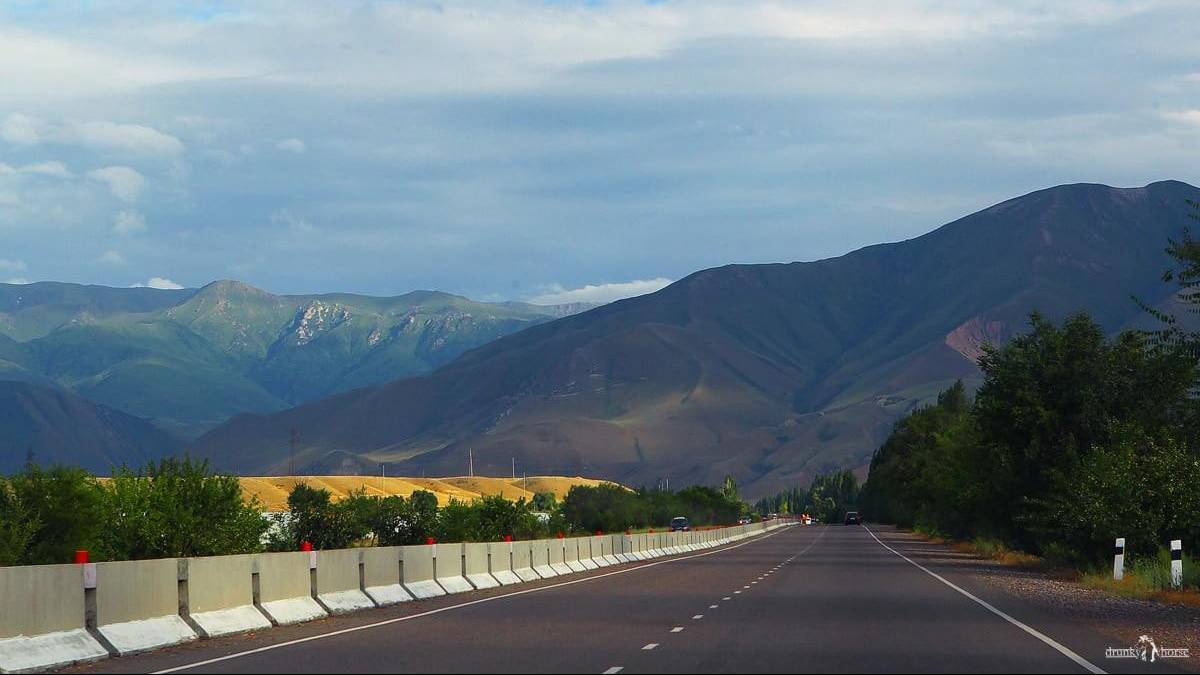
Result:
[
  {"x": 81, "y": 557},
  {"x": 429, "y": 541},
  {"x": 306, "y": 546},
  {"x": 508, "y": 537}
]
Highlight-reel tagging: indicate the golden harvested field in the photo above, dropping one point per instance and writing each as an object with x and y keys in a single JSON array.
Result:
[{"x": 272, "y": 491}]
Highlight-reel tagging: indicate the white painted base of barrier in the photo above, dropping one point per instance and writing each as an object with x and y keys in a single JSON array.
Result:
[
  {"x": 229, "y": 621},
  {"x": 589, "y": 564},
  {"x": 624, "y": 557},
  {"x": 293, "y": 610},
  {"x": 526, "y": 574},
  {"x": 545, "y": 571},
  {"x": 616, "y": 559},
  {"x": 480, "y": 581},
  {"x": 52, "y": 650},
  {"x": 562, "y": 568},
  {"x": 455, "y": 584},
  {"x": 344, "y": 602},
  {"x": 131, "y": 637},
  {"x": 507, "y": 577},
  {"x": 392, "y": 594},
  {"x": 575, "y": 566},
  {"x": 424, "y": 589}
]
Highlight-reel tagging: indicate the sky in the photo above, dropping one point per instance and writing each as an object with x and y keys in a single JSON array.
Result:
[{"x": 556, "y": 151}]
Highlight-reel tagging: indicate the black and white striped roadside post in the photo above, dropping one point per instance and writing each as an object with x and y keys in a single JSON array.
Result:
[
  {"x": 1176, "y": 563},
  {"x": 1119, "y": 559}
]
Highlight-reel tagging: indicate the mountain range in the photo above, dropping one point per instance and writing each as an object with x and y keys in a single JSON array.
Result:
[
  {"x": 771, "y": 373},
  {"x": 183, "y": 361}
]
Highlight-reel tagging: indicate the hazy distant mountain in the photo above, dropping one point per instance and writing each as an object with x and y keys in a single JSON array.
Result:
[
  {"x": 189, "y": 359},
  {"x": 767, "y": 372},
  {"x": 53, "y": 426}
]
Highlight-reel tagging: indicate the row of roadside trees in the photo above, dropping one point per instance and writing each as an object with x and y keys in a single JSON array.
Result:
[{"x": 1073, "y": 438}]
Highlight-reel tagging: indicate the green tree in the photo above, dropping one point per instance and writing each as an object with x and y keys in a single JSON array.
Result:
[
  {"x": 178, "y": 508},
  {"x": 67, "y": 504},
  {"x": 17, "y": 527}
]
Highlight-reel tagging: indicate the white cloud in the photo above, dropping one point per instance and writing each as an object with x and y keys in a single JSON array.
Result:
[
  {"x": 600, "y": 293},
  {"x": 111, "y": 257},
  {"x": 124, "y": 182},
  {"x": 294, "y": 145},
  {"x": 135, "y": 138},
  {"x": 128, "y": 223},
  {"x": 161, "y": 283},
  {"x": 21, "y": 129},
  {"x": 104, "y": 135},
  {"x": 11, "y": 266},
  {"x": 53, "y": 169}
]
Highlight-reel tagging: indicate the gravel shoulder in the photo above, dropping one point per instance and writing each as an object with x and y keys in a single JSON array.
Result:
[{"x": 1123, "y": 619}]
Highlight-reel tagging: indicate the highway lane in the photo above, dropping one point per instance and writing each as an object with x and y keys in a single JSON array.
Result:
[{"x": 819, "y": 599}]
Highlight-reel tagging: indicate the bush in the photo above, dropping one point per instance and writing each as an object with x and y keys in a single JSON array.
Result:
[
  {"x": 177, "y": 508},
  {"x": 67, "y": 506}
]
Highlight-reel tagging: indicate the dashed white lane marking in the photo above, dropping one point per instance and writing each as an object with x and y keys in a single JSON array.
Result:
[
  {"x": 736, "y": 592},
  {"x": 727, "y": 598},
  {"x": 614, "y": 670},
  {"x": 1062, "y": 649},
  {"x": 712, "y": 606},
  {"x": 650, "y": 646},
  {"x": 697, "y": 616},
  {"x": 450, "y": 608},
  {"x": 744, "y": 588},
  {"x": 677, "y": 629}
]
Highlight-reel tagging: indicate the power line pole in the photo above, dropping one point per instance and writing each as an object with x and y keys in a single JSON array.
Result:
[{"x": 471, "y": 462}]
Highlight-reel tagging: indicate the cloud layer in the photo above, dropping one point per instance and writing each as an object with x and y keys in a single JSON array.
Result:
[{"x": 541, "y": 150}]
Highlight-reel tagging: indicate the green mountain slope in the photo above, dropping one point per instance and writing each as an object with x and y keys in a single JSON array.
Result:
[
  {"x": 55, "y": 426},
  {"x": 188, "y": 360},
  {"x": 770, "y": 373}
]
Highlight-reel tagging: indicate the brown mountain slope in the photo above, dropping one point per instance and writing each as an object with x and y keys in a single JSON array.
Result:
[{"x": 768, "y": 372}]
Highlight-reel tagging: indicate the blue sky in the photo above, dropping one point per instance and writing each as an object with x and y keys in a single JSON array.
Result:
[{"x": 556, "y": 151}]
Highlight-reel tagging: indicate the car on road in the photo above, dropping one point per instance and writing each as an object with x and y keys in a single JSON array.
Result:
[
  {"x": 852, "y": 518},
  {"x": 744, "y": 520},
  {"x": 680, "y": 524}
]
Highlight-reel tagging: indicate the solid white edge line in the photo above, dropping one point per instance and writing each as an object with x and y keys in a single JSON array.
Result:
[
  {"x": 399, "y": 619},
  {"x": 1060, "y": 648},
  {"x": 614, "y": 670}
]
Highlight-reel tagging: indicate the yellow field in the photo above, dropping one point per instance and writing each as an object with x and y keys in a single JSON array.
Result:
[{"x": 272, "y": 491}]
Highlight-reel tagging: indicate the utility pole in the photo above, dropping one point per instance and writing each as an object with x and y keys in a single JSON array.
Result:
[
  {"x": 471, "y": 462},
  {"x": 295, "y": 438},
  {"x": 514, "y": 463}
]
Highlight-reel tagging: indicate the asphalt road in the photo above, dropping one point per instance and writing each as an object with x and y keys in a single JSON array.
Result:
[{"x": 803, "y": 599}]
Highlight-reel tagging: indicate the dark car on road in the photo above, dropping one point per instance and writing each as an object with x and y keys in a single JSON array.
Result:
[
  {"x": 680, "y": 524},
  {"x": 852, "y": 518}
]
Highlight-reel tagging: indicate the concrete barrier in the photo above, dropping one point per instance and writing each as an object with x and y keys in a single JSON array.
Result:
[
  {"x": 340, "y": 581},
  {"x": 624, "y": 548},
  {"x": 42, "y": 622},
  {"x": 557, "y": 556},
  {"x": 500, "y": 559},
  {"x": 448, "y": 568},
  {"x": 606, "y": 550},
  {"x": 571, "y": 555},
  {"x": 137, "y": 605},
  {"x": 583, "y": 546},
  {"x": 476, "y": 566},
  {"x": 217, "y": 595},
  {"x": 522, "y": 561},
  {"x": 539, "y": 557},
  {"x": 286, "y": 588},
  {"x": 418, "y": 570},
  {"x": 381, "y": 576}
]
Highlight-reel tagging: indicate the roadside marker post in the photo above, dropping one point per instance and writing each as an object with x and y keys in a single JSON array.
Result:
[
  {"x": 1176, "y": 563},
  {"x": 1119, "y": 560}
]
